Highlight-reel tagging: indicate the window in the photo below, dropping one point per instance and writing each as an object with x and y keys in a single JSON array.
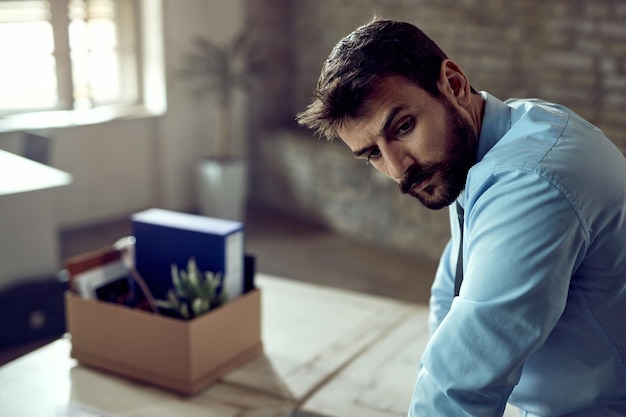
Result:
[{"x": 67, "y": 54}]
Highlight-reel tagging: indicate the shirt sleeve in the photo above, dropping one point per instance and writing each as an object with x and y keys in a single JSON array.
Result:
[
  {"x": 522, "y": 243},
  {"x": 442, "y": 291}
]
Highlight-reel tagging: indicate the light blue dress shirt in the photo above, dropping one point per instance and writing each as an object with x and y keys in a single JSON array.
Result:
[{"x": 541, "y": 317}]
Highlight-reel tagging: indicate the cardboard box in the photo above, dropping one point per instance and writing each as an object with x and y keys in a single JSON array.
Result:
[
  {"x": 183, "y": 356},
  {"x": 165, "y": 237}
]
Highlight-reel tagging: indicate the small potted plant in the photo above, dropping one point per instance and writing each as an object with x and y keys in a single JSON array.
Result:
[{"x": 193, "y": 292}]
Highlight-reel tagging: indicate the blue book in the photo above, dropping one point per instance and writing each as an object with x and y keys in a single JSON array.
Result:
[{"x": 164, "y": 237}]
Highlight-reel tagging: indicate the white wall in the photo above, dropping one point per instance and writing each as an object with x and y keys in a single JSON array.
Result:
[
  {"x": 114, "y": 167},
  {"x": 186, "y": 128},
  {"x": 123, "y": 166}
]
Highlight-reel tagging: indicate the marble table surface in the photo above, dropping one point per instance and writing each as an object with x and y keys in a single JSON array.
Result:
[
  {"x": 310, "y": 333},
  {"x": 326, "y": 352}
]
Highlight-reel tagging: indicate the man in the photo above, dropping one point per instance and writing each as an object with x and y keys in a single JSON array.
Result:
[{"x": 539, "y": 319}]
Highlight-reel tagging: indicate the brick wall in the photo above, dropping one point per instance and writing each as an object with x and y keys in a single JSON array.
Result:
[{"x": 565, "y": 51}]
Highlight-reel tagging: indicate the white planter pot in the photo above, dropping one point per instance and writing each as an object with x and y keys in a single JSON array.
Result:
[{"x": 222, "y": 188}]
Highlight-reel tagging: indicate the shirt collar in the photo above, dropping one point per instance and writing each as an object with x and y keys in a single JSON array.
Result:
[{"x": 496, "y": 122}]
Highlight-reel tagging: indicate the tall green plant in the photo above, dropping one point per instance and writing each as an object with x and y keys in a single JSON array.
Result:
[{"x": 220, "y": 70}]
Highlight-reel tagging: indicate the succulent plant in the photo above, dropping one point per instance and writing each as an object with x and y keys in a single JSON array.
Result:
[{"x": 193, "y": 292}]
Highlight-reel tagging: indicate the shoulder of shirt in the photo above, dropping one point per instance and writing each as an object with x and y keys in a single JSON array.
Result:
[
  {"x": 557, "y": 111},
  {"x": 523, "y": 106},
  {"x": 523, "y": 118},
  {"x": 534, "y": 128}
]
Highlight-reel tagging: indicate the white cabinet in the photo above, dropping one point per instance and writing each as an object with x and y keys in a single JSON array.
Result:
[{"x": 29, "y": 244}]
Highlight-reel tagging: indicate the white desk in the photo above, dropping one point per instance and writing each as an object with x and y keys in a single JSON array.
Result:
[
  {"x": 309, "y": 334},
  {"x": 28, "y": 221},
  {"x": 327, "y": 352},
  {"x": 379, "y": 383}
]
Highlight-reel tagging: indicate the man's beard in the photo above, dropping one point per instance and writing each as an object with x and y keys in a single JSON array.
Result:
[{"x": 460, "y": 156}]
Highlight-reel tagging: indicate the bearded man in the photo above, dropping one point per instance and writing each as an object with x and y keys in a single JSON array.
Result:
[{"x": 529, "y": 299}]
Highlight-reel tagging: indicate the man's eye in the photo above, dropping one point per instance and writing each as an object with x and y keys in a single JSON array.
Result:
[
  {"x": 405, "y": 127},
  {"x": 374, "y": 154}
]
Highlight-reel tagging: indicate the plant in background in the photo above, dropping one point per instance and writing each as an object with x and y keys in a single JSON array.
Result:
[
  {"x": 220, "y": 70},
  {"x": 194, "y": 292}
]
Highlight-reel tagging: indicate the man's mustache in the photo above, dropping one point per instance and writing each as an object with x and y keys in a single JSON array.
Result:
[{"x": 415, "y": 175}]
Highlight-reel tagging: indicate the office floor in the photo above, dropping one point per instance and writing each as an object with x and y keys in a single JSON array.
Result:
[{"x": 293, "y": 248}]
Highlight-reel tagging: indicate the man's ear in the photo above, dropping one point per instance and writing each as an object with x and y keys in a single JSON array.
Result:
[{"x": 453, "y": 83}]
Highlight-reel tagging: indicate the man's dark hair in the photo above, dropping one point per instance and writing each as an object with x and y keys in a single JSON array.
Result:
[{"x": 374, "y": 51}]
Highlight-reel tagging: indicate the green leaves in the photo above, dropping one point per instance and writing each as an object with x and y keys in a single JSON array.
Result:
[
  {"x": 222, "y": 68},
  {"x": 193, "y": 292}
]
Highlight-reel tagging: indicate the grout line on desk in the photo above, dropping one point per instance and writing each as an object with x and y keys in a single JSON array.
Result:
[{"x": 357, "y": 355}]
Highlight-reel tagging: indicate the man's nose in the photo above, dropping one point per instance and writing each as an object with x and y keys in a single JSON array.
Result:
[{"x": 398, "y": 161}]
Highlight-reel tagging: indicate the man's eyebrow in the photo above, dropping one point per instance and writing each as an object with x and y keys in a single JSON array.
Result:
[
  {"x": 360, "y": 152},
  {"x": 388, "y": 120}
]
